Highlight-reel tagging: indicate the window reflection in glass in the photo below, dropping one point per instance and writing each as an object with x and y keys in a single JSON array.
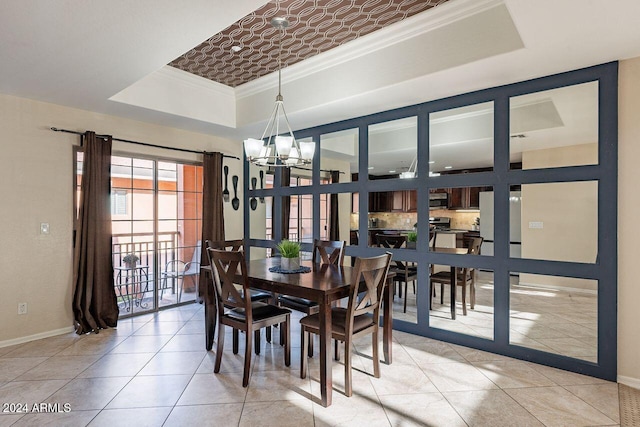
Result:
[
  {"x": 393, "y": 148},
  {"x": 555, "y": 128},
  {"x": 554, "y": 314}
]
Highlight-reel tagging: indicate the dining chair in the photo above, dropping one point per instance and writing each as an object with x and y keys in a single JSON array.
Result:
[
  {"x": 405, "y": 272},
  {"x": 256, "y": 294},
  {"x": 174, "y": 272},
  {"x": 324, "y": 252},
  {"x": 239, "y": 312},
  {"x": 360, "y": 317},
  {"x": 464, "y": 277}
]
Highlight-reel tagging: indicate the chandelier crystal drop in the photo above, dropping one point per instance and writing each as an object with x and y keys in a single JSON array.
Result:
[{"x": 280, "y": 149}]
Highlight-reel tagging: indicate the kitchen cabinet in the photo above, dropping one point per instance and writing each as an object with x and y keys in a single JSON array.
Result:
[
  {"x": 405, "y": 201},
  {"x": 381, "y": 201},
  {"x": 465, "y": 197}
]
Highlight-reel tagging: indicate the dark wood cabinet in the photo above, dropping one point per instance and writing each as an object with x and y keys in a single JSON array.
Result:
[
  {"x": 381, "y": 201},
  {"x": 466, "y": 197},
  {"x": 405, "y": 201}
]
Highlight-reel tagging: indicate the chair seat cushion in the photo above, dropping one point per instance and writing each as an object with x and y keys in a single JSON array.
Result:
[
  {"x": 445, "y": 276},
  {"x": 338, "y": 321},
  {"x": 257, "y": 295},
  {"x": 297, "y": 301},
  {"x": 260, "y": 311}
]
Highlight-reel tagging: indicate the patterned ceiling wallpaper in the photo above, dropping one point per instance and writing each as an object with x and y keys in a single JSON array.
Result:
[{"x": 315, "y": 26}]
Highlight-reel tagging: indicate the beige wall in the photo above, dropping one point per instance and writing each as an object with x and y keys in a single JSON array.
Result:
[
  {"x": 36, "y": 185},
  {"x": 628, "y": 230},
  {"x": 568, "y": 212}
]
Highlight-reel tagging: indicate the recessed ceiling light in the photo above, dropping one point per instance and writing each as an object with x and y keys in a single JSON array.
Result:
[
  {"x": 448, "y": 167},
  {"x": 236, "y": 48},
  {"x": 392, "y": 171},
  {"x": 432, "y": 162},
  {"x": 370, "y": 167}
]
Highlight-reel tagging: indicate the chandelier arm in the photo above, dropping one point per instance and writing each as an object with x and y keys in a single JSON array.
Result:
[{"x": 270, "y": 122}]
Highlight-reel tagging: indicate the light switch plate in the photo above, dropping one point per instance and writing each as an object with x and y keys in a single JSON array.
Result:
[
  {"x": 44, "y": 228},
  {"x": 535, "y": 224}
]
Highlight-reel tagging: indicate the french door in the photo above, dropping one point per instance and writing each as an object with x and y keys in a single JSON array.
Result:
[{"x": 156, "y": 211}]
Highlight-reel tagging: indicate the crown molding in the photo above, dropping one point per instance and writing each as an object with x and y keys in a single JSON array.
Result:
[
  {"x": 445, "y": 14},
  {"x": 185, "y": 78}
]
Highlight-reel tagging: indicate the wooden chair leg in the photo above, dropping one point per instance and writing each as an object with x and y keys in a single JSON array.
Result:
[
  {"x": 337, "y": 350},
  {"x": 310, "y": 346},
  {"x": 235, "y": 341},
  {"x": 247, "y": 358},
  {"x": 304, "y": 336},
  {"x": 257, "y": 337},
  {"x": 268, "y": 334},
  {"x": 216, "y": 369},
  {"x": 441, "y": 293},
  {"x": 281, "y": 334},
  {"x": 376, "y": 355},
  {"x": 287, "y": 342},
  {"x": 464, "y": 299},
  {"x": 347, "y": 369},
  {"x": 405, "y": 297}
]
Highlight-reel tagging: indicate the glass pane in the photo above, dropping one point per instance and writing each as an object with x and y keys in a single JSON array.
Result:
[
  {"x": 260, "y": 221},
  {"x": 393, "y": 148},
  {"x": 143, "y": 178},
  {"x": 405, "y": 290},
  {"x": 188, "y": 205},
  {"x": 554, "y": 314},
  {"x": 339, "y": 151},
  {"x": 383, "y": 219},
  {"x": 559, "y": 221},
  {"x": 475, "y": 287},
  {"x": 167, "y": 205},
  {"x": 555, "y": 128},
  {"x": 467, "y": 130},
  {"x": 142, "y": 205},
  {"x": 456, "y": 218}
]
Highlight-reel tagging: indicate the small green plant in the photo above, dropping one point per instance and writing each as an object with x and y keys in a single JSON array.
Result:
[
  {"x": 288, "y": 249},
  {"x": 412, "y": 236},
  {"x": 130, "y": 259}
]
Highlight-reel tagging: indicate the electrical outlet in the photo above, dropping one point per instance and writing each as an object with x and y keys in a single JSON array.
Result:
[
  {"x": 22, "y": 308},
  {"x": 44, "y": 228}
]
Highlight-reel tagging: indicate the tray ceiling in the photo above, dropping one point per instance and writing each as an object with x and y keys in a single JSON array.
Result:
[{"x": 315, "y": 26}]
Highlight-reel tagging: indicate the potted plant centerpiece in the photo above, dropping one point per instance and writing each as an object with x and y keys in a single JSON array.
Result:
[
  {"x": 412, "y": 238},
  {"x": 130, "y": 260},
  {"x": 290, "y": 255}
]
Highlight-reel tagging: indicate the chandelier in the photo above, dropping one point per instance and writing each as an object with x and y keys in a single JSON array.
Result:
[
  {"x": 411, "y": 173},
  {"x": 279, "y": 149}
]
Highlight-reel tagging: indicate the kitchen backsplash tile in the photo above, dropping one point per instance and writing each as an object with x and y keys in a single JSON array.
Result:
[{"x": 406, "y": 220}]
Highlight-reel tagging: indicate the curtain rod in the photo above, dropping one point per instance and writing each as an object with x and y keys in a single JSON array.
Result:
[{"x": 146, "y": 144}]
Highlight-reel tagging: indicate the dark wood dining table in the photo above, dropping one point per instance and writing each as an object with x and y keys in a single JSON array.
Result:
[
  {"x": 454, "y": 280},
  {"x": 324, "y": 285}
]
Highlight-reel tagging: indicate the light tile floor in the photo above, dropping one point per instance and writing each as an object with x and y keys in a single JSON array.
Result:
[{"x": 153, "y": 371}]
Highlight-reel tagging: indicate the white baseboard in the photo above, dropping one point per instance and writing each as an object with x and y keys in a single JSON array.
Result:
[
  {"x": 629, "y": 381},
  {"x": 559, "y": 288},
  {"x": 34, "y": 337}
]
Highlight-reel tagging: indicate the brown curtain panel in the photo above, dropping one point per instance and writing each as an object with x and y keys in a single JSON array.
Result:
[
  {"x": 94, "y": 298},
  {"x": 334, "y": 219},
  {"x": 286, "y": 202},
  {"x": 212, "y": 229}
]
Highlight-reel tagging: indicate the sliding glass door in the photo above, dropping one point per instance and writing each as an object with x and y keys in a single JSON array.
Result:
[{"x": 156, "y": 211}]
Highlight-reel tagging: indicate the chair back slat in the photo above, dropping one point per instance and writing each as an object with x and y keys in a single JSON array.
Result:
[
  {"x": 474, "y": 245},
  {"x": 328, "y": 252},
  {"x": 229, "y": 245},
  {"x": 393, "y": 241},
  {"x": 374, "y": 273},
  {"x": 228, "y": 266}
]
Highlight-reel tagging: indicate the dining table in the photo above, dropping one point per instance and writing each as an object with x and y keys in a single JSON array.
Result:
[
  {"x": 324, "y": 284},
  {"x": 454, "y": 269}
]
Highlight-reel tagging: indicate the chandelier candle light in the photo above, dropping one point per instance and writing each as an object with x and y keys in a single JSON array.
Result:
[{"x": 279, "y": 150}]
